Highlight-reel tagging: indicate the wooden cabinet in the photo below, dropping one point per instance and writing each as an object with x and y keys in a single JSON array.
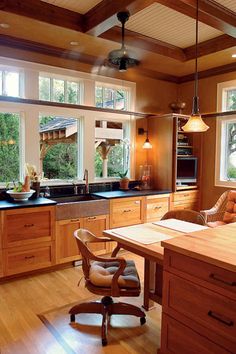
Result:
[
  {"x": 126, "y": 211},
  {"x": 156, "y": 206},
  {"x": 199, "y": 306},
  {"x": 66, "y": 246},
  {"x": 28, "y": 237},
  {"x": 185, "y": 200}
]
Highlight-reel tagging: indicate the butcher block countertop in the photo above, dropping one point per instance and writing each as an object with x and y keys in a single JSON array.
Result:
[{"x": 214, "y": 245}]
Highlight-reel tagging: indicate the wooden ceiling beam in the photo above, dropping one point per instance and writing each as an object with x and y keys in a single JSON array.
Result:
[
  {"x": 44, "y": 12},
  {"x": 138, "y": 40},
  {"x": 210, "y": 12},
  {"x": 211, "y": 46},
  {"x": 102, "y": 17}
]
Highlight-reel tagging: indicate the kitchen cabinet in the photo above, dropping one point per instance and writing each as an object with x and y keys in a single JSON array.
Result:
[
  {"x": 126, "y": 211},
  {"x": 156, "y": 206},
  {"x": 28, "y": 239},
  {"x": 185, "y": 200},
  {"x": 97, "y": 224}
]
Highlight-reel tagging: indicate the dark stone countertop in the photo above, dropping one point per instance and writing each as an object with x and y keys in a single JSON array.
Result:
[
  {"x": 129, "y": 193},
  {"x": 7, "y": 204}
]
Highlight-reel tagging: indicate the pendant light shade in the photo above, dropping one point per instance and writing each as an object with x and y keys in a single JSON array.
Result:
[
  {"x": 147, "y": 144},
  {"x": 195, "y": 122}
]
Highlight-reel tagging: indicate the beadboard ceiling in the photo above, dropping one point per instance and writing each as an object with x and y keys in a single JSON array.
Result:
[{"x": 161, "y": 34}]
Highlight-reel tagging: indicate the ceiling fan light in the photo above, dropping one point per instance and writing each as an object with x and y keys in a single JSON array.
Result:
[{"x": 123, "y": 65}]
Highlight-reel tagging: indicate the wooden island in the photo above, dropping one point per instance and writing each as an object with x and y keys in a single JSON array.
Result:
[{"x": 199, "y": 293}]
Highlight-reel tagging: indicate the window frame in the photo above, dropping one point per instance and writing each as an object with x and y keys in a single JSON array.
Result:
[
  {"x": 12, "y": 69},
  {"x": 220, "y": 161},
  {"x": 115, "y": 88}
]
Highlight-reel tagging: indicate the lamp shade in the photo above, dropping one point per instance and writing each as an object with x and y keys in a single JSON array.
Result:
[
  {"x": 195, "y": 124},
  {"x": 147, "y": 144}
]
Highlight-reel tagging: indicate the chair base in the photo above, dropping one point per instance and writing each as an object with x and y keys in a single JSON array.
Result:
[{"x": 106, "y": 307}]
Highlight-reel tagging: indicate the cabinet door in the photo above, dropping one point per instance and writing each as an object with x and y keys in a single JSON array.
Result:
[
  {"x": 97, "y": 224},
  {"x": 66, "y": 246},
  {"x": 28, "y": 226},
  {"x": 156, "y": 207},
  {"x": 126, "y": 211}
]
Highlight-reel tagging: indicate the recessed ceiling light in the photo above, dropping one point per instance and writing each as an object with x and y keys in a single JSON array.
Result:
[
  {"x": 74, "y": 43},
  {"x": 233, "y": 55},
  {"x": 4, "y": 25}
]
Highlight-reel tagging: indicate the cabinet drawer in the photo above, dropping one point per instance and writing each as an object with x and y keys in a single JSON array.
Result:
[
  {"x": 23, "y": 259},
  {"x": 26, "y": 227},
  {"x": 156, "y": 208},
  {"x": 126, "y": 212},
  {"x": 220, "y": 278},
  {"x": 185, "y": 205},
  {"x": 179, "y": 339},
  {"x": 206, "y": 307},
  {"x": 185, "y": 196}
]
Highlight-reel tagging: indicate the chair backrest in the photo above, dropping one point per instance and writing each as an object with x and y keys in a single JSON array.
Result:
[
  {"x": 230, "y": 208},
  {"x": 83, "y": 237},
  {"x": 185, "y": 215}
]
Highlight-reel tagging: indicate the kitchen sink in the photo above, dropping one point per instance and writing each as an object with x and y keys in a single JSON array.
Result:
[{"x": 74, "y": 198}]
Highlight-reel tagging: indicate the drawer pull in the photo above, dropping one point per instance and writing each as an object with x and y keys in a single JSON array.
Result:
[
  {"x": 92, "y": 218},
  {"x": 218, "y": 278},
  {"x": 28, "y": 225},
  {"x": 29, "y": 257},
  {"x": 74, "y": 220},
  {"x": 127, "y": 210},
  {"x": 186, "y": 195},
  {"x": 220, "y": 318},
  {"x": 157, "y": 207}
]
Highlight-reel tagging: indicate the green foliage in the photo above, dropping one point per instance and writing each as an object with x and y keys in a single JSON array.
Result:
[
  {"x": 122, "y": 174},
  {"x": 9, "y": 147},
  {"x": 233, "y": 102},
  {"x": 231, "y": 173}
]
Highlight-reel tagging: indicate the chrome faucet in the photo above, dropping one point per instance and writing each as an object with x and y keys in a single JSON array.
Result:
[{"x": 86, "y": 190}]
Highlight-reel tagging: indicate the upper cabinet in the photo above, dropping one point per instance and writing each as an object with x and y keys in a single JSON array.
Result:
[{"x": 176, "y": 155}]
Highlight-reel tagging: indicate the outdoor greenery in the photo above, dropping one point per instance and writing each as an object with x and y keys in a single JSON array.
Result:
[
  {"x": 115, "y": 161},
  {"x": 9, "y": 147}
]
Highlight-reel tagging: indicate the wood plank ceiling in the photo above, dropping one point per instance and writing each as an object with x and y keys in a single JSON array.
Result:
[{"x": 160, "y": 33}]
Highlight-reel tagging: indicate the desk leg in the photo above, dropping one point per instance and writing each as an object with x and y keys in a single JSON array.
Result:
[{"x": 149, "y": 283}]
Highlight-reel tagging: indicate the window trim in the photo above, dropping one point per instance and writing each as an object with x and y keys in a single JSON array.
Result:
[{"x": 219, "y": 182}]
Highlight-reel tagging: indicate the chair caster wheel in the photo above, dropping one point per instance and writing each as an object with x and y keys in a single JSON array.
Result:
[
  {"x": 104, "y": 342},
  {"x": 72, "y": 318},
  {"x": 142, "y": 320}
]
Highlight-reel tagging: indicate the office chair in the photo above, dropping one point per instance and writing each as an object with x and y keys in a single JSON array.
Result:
[{"x": 110, "y": 277}]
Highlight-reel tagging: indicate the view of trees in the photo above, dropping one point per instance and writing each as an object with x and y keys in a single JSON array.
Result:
[
  {"x": 115, "y": 161},
  {"x": 9, "y": 147},
  {"x": 231, "y": 153}
]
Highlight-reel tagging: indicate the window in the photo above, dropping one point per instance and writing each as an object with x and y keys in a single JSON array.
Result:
[
  {"x": 9, "y": 83},
  {"x": 226, "y": 152},
  {"x": 9, "y": 147},
  {"x": 59, "y": 90},
  {"x": 106, "y": 97},
  {"x": 59, "y": 147},
  {"x": 112, "y": 148}
]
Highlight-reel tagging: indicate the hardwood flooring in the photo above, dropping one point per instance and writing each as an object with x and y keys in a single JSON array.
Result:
[{"x": 22, "y": 331}]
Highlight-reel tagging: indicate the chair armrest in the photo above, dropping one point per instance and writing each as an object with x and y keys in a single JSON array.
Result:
[{"x": 212, "y": 214}]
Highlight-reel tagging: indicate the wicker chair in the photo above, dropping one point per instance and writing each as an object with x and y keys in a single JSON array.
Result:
[
  {"x": 185, "y": 215},
  {"x": 223, "y": 212},
  {"x": 108, "y": 277}
]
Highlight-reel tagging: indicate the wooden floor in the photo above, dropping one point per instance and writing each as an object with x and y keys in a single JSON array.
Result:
[{"x": 22, "y": 331}]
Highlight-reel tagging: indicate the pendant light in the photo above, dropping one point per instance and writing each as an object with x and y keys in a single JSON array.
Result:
[{"x": 195, "y": 122}]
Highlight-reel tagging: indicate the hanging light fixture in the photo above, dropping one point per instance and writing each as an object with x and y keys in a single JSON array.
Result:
[
  {"x": 146, "y": 144},
  {"x": 195, "y": 122}
]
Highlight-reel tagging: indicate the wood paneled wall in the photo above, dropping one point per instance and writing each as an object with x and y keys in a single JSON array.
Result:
[{"x": 208, "y": 103}]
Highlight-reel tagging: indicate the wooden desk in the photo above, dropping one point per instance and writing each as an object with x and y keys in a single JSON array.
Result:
[{"x": 153, "y": 255}]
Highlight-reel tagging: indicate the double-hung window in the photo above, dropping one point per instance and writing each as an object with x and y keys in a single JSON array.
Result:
[
  {"x": 225, "y": 174},
  {"x": 10, "y": 82}
]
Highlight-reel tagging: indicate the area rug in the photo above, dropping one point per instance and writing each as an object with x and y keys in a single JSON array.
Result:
[{"x": 125, "y": 335}]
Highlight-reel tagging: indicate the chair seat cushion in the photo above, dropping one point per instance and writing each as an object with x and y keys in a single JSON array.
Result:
[
  {"x": 101, "y": 274},
  {"x": 215, "y": 223}
]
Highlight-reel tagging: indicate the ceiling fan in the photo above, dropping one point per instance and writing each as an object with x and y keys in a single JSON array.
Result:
[{"x": 120, "y": 58}]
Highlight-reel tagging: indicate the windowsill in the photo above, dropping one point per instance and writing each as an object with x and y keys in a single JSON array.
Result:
[{"x": 227, "y": 184}]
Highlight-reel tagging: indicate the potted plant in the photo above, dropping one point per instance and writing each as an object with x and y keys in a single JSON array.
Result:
[{"x": 124, "y": 180}]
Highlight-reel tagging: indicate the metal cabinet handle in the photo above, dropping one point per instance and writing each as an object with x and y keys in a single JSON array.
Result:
[
  {"x": 29, "y": 257},
  {"x": 127, "y": 210},
  {"x": 28, "y": 225},
  {"x": 186, "y": 195},
  {"x": 74, "y": 220},
  {"x": 219, "y": 279},
  {"x": 220, "y": 318},
  {"x": 92, "y": 218},
  {"x": 157, "y": 207}
]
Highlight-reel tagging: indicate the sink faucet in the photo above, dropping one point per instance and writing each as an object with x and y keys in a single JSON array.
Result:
[{"x": 86, "y": 181}]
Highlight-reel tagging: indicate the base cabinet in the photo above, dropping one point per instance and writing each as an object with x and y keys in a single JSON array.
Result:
[
  {"x": 185, "y": 200},
  {"x": 126, "y": 211},
  {"x": 156, "y": 206},
  {"x": 66, "y": 246},
  {"x": 199, "y": 307}
]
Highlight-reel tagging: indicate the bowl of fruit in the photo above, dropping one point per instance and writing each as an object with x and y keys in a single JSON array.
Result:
[{"x": 19, "y": 192}]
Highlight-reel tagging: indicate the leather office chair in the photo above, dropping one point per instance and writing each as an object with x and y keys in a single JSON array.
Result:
[
  {"x": 223, "y": 212},
  {"x": 185, "y": 215},
  {"x": 108, "y": 277}
]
